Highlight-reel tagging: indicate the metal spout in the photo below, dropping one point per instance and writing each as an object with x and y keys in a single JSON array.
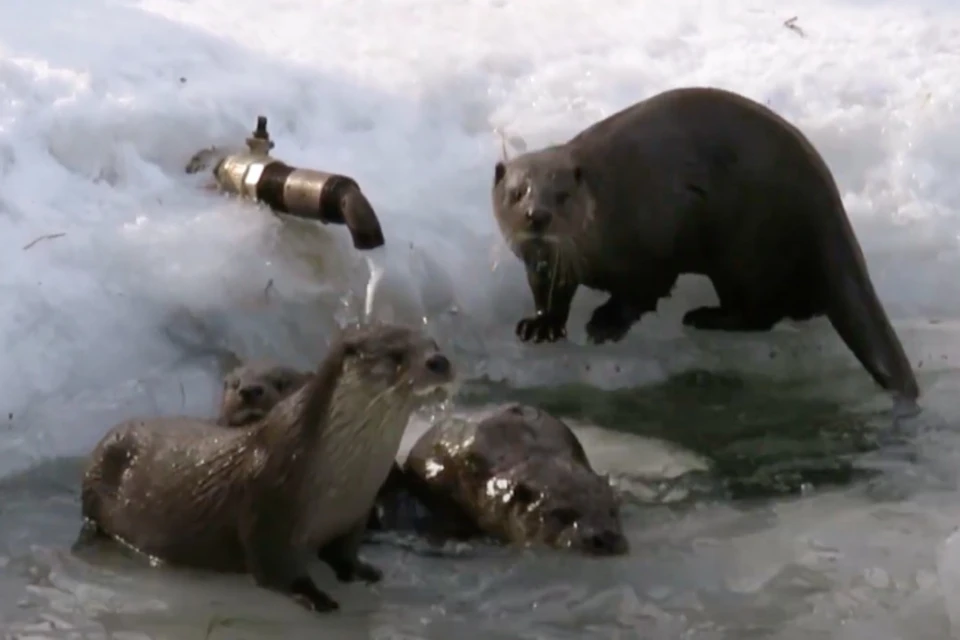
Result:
[
  {"x": 259, "y": 142},
  {"x": 360, "y": 219}
]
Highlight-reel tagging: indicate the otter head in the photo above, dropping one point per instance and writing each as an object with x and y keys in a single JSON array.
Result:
[
  {"x": 394, "y": 361},
  {"x": 540, "y": 198},
  {"x": 558, "y": 502},
  {"x": 250, "y": 391}
]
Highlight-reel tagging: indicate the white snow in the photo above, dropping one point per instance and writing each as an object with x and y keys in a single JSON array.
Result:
[{"x": 103, "y": 101}]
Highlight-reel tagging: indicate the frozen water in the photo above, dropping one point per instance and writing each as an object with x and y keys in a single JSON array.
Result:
[{"x": 114, "y": 260}]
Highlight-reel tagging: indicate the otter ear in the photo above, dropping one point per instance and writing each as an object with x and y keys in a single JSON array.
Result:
[
  {"x": 498, "y": 172},
  {"x": 578, "y": 173}
]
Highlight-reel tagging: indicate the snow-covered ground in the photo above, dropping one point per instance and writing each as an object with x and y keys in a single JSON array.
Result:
[{"x": 102, "y": 102}]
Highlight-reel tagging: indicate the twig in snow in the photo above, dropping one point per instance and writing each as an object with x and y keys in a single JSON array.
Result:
[
  {"x": 515, "y": 142},
  {"x": 49, "y": 236},
  {"x": 791, "y": 23},
  {"x": 504, "y": 157},
  {"x": 267, "y": 289}
]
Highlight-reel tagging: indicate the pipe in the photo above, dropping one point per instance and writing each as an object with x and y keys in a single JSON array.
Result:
[{"x": 330, "y": 198}]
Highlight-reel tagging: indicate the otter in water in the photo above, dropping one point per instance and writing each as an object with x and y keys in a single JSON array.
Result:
[
  {"x": 410, "y": 499},
  {"x": 519, "y": 475},
  {"x": 258, "y": 499},
  {"x": 702, "y": 181},
  {"x": 251, "y": 390}
]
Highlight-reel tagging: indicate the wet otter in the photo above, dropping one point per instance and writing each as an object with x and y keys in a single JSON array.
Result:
[
  {"x": 519, "y": 475},
  {"x": 411, "y": 500},
  {"x": 304, "y": 477},
  {"x": 702, "y": 181},
  {"x": 251, "y": 390}
]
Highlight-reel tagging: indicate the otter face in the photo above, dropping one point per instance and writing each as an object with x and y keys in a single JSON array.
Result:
[
  {"x": 540, "y": 197},
  {"x": 398, "y": 359},
  {"x": 250, "y": 391},
  {"x": 561, "y": 504}
]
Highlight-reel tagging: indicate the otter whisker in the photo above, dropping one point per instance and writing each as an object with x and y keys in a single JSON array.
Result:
[
  {"x": 574, "y": 258},
  {"x": 553, "y": 277},
  {"x": 496, "y": 253},
  {"x": 565, "y": 266}
]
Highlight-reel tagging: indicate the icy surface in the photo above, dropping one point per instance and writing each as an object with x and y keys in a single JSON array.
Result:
[{"x": 117, "y": 269}]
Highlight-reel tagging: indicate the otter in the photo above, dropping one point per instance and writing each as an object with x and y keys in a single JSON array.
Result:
[
  {"x": 411, "y": 501},
  {"x": 518, "y": 475},
  {"x": 251, "y": 390},
  {"x": 702, "y": 181},
  {"x": 251, "y": 500}
]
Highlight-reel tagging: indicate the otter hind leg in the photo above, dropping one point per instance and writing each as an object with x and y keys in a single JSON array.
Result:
[
  {"x": 103, "y": 480},
  {"x": 744, "y": 306},
  {"x": 342, "y": 555},
  {"x": 612, "y": 320},
  {"x": 90, "y": 536}
]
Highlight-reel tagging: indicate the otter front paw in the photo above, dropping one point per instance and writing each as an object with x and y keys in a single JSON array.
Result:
[
  {"x": 610, "y": 322},
  {"x": 541, "y": 328}
]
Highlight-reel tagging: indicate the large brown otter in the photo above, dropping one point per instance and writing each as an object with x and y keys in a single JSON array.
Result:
[
  {"x": 702, "y": 181},
  {"x": 253, "y": 500},
  {"x": 519, "y": 475}
]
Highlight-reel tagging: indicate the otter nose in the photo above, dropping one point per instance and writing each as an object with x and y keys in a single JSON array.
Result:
[
  {"x": 606, "y": 543},
  {"x": 251, "y": 393},
  {"x": 539, "y": 219},
  {"x": 438, "y": 364}
]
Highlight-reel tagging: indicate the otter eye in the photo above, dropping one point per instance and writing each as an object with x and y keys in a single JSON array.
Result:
[
  {"x": 517, "y": 193},
  {"x": 234, "y": 383},
  {"x": 397, "y": 357},
  {"x": 280, "y": 385},
  {"x": 562, "y": 197},
  {"x": 564, "y": 516},
  {"x": 523, "y": 495}
]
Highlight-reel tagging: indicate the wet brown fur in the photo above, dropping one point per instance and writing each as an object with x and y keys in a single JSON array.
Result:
[
  {"x": 239, "y": 407},
  {"x": 518, "y": 475},
  {"x": 257, "y": 499},
  {"x": 409, "y": 500},
  {"x": 701, "y": 181}
]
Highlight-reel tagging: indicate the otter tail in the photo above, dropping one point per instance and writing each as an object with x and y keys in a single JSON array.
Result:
[{"x": 855, "y": 312}]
